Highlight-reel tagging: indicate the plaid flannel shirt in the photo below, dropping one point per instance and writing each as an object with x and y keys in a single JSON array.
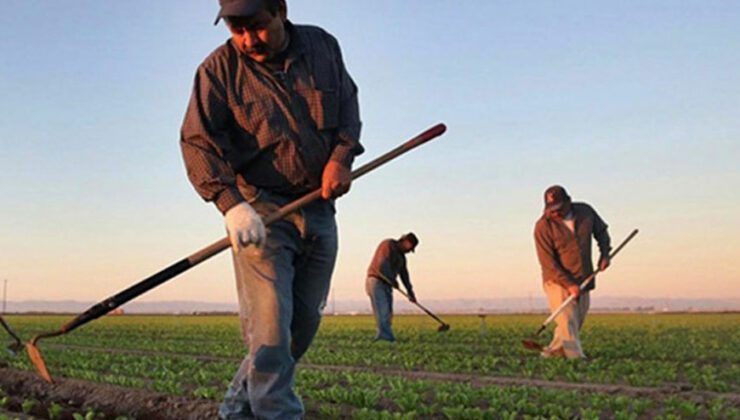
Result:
[
  {"x": 388, "y": 263},
  {"x": 565, "y": 256},
  {"x": 249, "y": 128}
]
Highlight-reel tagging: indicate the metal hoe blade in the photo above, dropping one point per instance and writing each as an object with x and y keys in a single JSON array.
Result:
[
  {"x": 532, "y": 345},
  {"x": 14, "y": 348},
  {"x": 38, "y": 362},
  {"x": 443, "y": 328}
]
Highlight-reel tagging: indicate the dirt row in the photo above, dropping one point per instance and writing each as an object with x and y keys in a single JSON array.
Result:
[
  {"x": 108, "y": 401},
  {"x": 14, "y": 415},
  {"x": 667, "y": 390}
]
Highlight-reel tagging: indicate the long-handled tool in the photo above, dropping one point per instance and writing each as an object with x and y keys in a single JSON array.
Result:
[
  {"x": 185, "y": 264},
  {"x": 443, "y": 326},
  {"x": 531, "y": 343},
  {"x": 17, "y": 345}
]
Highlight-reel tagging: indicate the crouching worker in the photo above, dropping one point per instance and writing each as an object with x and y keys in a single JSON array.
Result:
[
  {"x": 563, "y": 240},
  {"x": 388, "y": 263}
]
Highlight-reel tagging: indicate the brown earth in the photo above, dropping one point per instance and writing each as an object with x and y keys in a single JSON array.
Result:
[
  {"x": 109, "y": 400},
  {"x": 13, "y": 415}
]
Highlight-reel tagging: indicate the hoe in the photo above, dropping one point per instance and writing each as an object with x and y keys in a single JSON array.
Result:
[
  {"x": 443, "y": 326},
  {"x": 532, "y": 343},
  {"x": 181, "y": 266}
]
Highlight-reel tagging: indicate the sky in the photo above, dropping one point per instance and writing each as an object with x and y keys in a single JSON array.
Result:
[{"x": 632, "y": 106}]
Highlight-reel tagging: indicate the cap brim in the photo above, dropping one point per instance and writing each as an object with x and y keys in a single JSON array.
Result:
[
  {"x": 554, "y": 206},
  {"x": 239, "y": 8}
]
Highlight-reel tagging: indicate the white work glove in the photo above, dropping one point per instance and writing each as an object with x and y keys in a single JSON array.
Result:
[{"x": 244, "y": 226}]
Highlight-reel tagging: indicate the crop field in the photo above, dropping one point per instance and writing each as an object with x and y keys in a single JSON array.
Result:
[{"x": 639, "y": 366}]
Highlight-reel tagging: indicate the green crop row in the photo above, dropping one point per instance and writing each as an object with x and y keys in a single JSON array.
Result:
[
  {"x": 639, "y": 350},
  {"x": 680, "y": 338},
  {"x": 377, "y": 396}
]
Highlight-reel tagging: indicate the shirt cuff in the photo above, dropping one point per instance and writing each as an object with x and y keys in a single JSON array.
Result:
[
  {"x": 227, "y": 199},
  {"x": 344, "y": 155}
]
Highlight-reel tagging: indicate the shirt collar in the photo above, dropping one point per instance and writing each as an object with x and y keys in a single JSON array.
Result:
[{"x": 296, "y": 48}]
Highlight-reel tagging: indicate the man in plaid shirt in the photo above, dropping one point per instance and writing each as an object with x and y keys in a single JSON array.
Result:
[
  {"x": 273, "y": 115},
  {"x": 562, "y": 238}
]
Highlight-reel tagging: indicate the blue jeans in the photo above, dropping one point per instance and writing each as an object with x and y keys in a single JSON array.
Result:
[
  {"x": 282, "y": 289},
  {"x": 381, "y": 297}
]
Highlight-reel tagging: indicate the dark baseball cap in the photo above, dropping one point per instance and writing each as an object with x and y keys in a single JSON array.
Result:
[
  {"x": 238, "y": 8},
  {"x": 555, "y": 197},
  {"x": 411, "y": 238}
]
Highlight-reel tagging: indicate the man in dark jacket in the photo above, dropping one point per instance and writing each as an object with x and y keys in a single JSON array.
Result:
[
  {"x": 388, "y": 263},
  {"x": 563, "y": 241},
  {"x": 273, "y": 115}
]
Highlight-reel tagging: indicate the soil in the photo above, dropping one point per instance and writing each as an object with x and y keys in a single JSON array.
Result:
[
  {"x": 14, "y": 415},
  {"x": 108, "y": 400}
]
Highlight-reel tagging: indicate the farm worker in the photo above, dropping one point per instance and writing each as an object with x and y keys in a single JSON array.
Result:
[
  {"x": 273, "y": 115},
  {"x": 388, "y": 263},
  {"x": 563, "y": 241}
]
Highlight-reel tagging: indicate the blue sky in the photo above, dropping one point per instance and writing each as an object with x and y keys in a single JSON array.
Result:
[{"x": 631, "y": 105}]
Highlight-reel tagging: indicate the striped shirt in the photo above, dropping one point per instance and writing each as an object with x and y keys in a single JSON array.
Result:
[{"x": 249, "y": 128}]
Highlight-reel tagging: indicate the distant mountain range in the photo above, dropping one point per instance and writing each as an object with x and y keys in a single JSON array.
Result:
[{"x": 461, "y": 306}]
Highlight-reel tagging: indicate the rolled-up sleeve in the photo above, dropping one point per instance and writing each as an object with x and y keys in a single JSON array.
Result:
[
  {"x": 347, "y": 144},
  {"x": 204, "y": 142}
]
